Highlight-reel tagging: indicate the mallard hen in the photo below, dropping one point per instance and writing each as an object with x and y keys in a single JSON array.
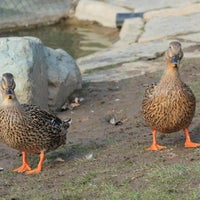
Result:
[
  {"x": 169, "y": 106},
  {"x": 27, "y": 128}
]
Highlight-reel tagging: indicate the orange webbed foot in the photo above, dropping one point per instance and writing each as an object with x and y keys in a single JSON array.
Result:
[
  {"x": 191, "y": 144},
  {"x": 188, "y": 142},
  {"x": 39, "y": 167},
  {"x": 23, "y": 168},
  {"x": 33, "y": 171},
  {"x": 155, "y": 147}
]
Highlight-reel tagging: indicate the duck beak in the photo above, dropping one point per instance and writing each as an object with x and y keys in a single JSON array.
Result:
[
  {"x": 175, "y": 60},
  {"x": 9, "y": 91}
]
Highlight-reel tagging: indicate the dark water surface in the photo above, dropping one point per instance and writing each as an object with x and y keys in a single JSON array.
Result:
[{"x": 77, "y": 40}]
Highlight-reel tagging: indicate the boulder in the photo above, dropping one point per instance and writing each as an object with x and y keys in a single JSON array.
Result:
[
  {"x": 24, "y": 58},
  {"x": 40, "y": 72},
  {"x": 63, "y": 77},
  {"x": 101, "y": 12}
]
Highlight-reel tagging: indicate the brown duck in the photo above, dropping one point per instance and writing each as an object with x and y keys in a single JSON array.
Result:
[
  {"x": 169, "y": 106},
  {"x": 27, "y": 128}
]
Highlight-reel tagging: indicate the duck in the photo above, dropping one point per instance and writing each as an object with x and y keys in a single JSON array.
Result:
[
  {"x": 169, "y": 105},
  {"x": 27, "y": 128}
]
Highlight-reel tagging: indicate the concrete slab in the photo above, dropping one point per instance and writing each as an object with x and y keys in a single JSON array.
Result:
[
  {"x": 165, "y": 27},
  {"x": 101, "y": 12},
  {"x": 131, "y": 29},
  {"x": 146, "y": 5},
  {"x": 178, "y": 11},
  {"x": 125, "y": 71}
]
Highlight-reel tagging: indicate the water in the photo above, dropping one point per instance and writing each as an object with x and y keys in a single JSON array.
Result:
[{"x": 77, "y": 40}]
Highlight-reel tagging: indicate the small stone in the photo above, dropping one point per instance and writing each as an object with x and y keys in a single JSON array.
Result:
[
  {"x": 89, "y": 156},
  {"x": 59, "y": 160},
  {"x": 113, "y": 121}
]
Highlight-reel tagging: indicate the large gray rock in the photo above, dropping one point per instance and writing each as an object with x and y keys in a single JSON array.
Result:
[
  {"x": 63, "y": 76},
  {"x": 100, "y": 12},
  {"x": 43, "y": 76},
  {"x": 24, "y": 58}
]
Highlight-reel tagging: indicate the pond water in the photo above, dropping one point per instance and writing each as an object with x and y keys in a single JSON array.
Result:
[{"x": 77, "y": 40}]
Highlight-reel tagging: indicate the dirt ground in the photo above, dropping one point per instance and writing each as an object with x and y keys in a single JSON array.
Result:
[{"x": 106, "y": 145}]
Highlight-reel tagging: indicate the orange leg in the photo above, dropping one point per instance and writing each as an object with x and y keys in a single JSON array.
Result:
[
  {"x": 25, "y": 166},
  {"x": 39, "y": 167},
  {"x": 188, "y": 142},
  {"x": 155, "y": 146}
]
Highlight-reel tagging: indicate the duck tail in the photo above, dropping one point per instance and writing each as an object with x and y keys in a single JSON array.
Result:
[
  {"x": 67, "y": 123},
  {"x": 63, "y": 135}
]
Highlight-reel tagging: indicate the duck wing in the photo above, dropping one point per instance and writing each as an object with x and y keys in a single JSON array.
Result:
[
  {"x": 40, "y": 116},
  {"x": 150, "y": 90},
  {"x": 47, "y": 130}
]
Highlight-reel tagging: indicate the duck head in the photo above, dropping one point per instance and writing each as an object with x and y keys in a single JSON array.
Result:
[
  {"x": 7, "y": 86},
  {"x": 174, "y": 54}
]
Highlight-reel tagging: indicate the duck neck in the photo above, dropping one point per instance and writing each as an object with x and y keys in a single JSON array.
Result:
[
  {"x": 11, "y": 107},
  {"x": 11, "y": 103},
  {"x": 12, "y": 111},
  {"x": 171, "y": 75}
]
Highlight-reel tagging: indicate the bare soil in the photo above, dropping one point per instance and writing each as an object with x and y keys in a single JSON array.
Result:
[{"x": 107, "y": 138}]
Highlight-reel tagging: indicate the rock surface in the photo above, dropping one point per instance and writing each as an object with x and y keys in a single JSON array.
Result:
[
  {"x": 36, "y": 67},
  {"x": 63, "y": 77},
  {"x": 178, "y": 11},
  {"x": 121, "y": 53},
  {"x": 100, "y": 12},
  {"x": 24, "y": 58},
  {"x": 146, "y": 5},
  {"x": 126, "y": 70},
  {"x": 163, "y": 27},
  {"x": 131, "y": 29}
]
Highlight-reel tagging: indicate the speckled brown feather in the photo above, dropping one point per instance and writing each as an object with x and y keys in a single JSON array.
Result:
[
  {"x": 169, "y": 109},
  {"x": 29, "y": 129},
  {"x": 169, "y": 106}
]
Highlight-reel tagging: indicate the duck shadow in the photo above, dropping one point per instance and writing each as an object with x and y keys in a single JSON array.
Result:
[
  {"x": 195, "y": 133},
  {"x": 70, "y": 152}
]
